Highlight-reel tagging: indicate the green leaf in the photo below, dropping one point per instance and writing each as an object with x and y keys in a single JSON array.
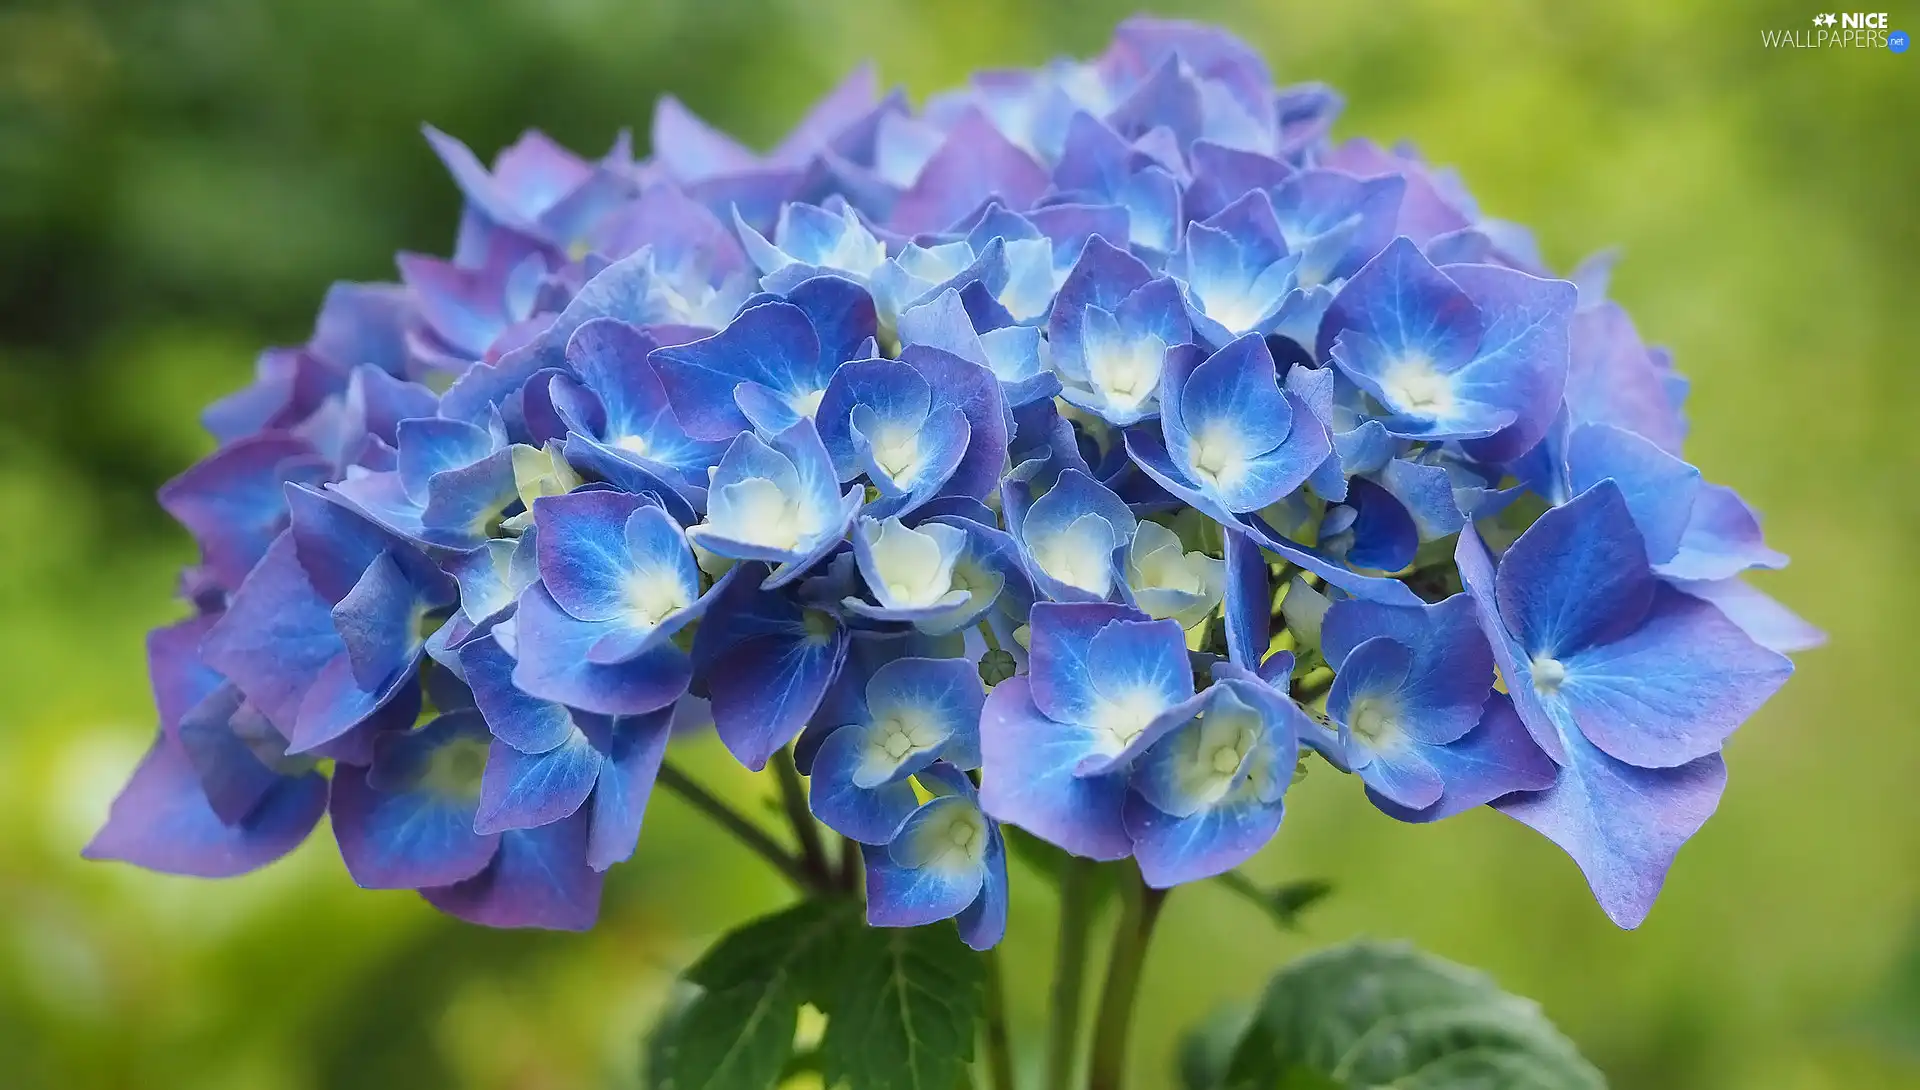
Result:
[
  {"x": 905, "y": 1012},
  {"x": 1385, "y": 1015},
  {"x": 1206, "y": 1049},
  {"x": 737, "y": 1032}
]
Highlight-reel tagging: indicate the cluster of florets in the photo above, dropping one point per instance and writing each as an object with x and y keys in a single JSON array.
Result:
[{"x": 1080, "y": 452}]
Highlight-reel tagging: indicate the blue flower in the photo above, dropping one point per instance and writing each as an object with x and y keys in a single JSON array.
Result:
[
  {"x": 1238, "y": 277},
  {"x": 547, "y": 762},
  {"x": 1417, "y": 715},
  {"x": 618, "y": 580},
  {"x": 1629, "y": 685},
  {"x": 947, "y": 860},
  {"x": 882, "y": 731},
  {"x": 941, "y": 576},
  {"x": 1230, "y": 440},
  {"x": 780, "y": 503},
  {"x": 883, "y": 421},
  {"x": 1208, "y": 795},
  {"x": 618, "y": 407},
  {"x": 1104, "y": 684},
  {"x": 1073, "y": 539},
  {"x": 1111, "y": 327},
  {"x": 1472, "y": 352},
  {"x": 769, "y": 368},
  {"x": 766, "y": 661}
]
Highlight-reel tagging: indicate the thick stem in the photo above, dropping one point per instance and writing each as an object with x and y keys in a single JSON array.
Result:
[
  {"x": 999, "y": 1043},
  {"x": 793, "y": 796},
  {"x": 1108, "y": 1061},
  {"x": 743, "y": 830},
  {"x": 1077, "y": 903}
]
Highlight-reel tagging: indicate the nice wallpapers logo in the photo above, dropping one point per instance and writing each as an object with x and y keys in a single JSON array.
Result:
[{"x": 1845, "y": 30}]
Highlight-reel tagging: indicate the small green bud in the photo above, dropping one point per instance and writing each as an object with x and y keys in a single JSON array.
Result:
[{"x": 996, "y": 666}]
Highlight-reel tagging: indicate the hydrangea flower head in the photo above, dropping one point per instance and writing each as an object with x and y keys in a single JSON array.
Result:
[{"x": 1065, "y": 455}]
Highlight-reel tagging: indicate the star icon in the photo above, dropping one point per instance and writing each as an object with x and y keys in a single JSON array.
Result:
[{"x": 1830, "y": 19}]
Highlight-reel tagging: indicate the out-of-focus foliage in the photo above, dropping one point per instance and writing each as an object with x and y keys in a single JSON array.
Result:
[{"x": 179, "y": 181}]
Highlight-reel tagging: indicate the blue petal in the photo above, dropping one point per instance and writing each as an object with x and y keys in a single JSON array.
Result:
[
  {"x": 584, "y": 558},
  {"x": 524, "y": 722},
  {"x": 773, "y": 344},
  {"x": 1495, "y": 759},
  {"x": 1623, "y": 825},
  {"x": 1477, "y": 575},
  {"x": 893, "y": 390},
  {"x": 539, "y": 878},
  {"x": 1059, "y": 656},
  {"x": 1450, "y": 669},
  {"x": 1673, "y": 689},
  {"x": 921, "y": 877},
  {"x": 525, "y": 791},
  {"x": 1249, "y": 601},
  {"x": 554, "y": 665},
  {"x": 1577, "y": 577},
  {"x": 1172, "y": 851},
  {"x": 1030, "y": 782},
  {"x": 772, "y": 685},
  {"x": 1521, "y": 364},
  {"x": 414, "y": 827},
  {"x": 161, "y": 820},
  {"x": 1238, "y": 390},
  {"x": 1407, "y": 308},
  {"x": 235, "y": 751},
  {"x": 377, "y": 622},
  {"x": 1659, "y": 488},
  {"x": 870, "y": 815},
  {"x": 1370, "y": 587},
  {"x": 1068, "y": 555},
  {"x": 633, "y": 752}
]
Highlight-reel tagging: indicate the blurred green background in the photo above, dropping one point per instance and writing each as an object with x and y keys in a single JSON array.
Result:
[{"x": 179, "y": 181}]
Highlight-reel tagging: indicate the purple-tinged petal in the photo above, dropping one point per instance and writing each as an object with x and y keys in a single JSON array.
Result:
[
  {"x": 1029, "y": 780},
  {"x": 275, "y": 636},
  {"x": 1673, "y": 689},
  {"x": 1623, "y": 825},
  {"x": 975, "y": 163},
  {"x": 1521, "y": 364},
  {"x": 407, "y": 822},
  {"x": 1765, "y": 621},
  {"x": 1493, "y": 760},
  {"x": 554, "y": 664},
  {"x": 525, "y": 791},
  {"x": 1722, "y": 539},
  {"x": 161, "y": 820},
  {"x": 633, "y": 752},
  {"x": 538, "y": 878},
  {"x": 233, "y": 501},
  {"x": 1477, "y": 575},
  {"x": 1577, "y": 577},
  {"x": 179, "y": 676},
  {"x": 1249, "y": 601}
]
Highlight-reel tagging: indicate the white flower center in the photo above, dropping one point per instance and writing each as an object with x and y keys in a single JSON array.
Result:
[
  {"x": 807, "y": 402},
  {"x": 632, "y": 444},
  {"x": 1219, "y": 453},
  {"x": 1372, "y": 720},
  {"x": 1548, "y": 674},
  {"x": 897, "y": 451},
  {"x": 911, "y": 568},
  {"x": 653, "y": 595},
  {"x": 1128, "y": 370},
  {"x": 1081, "y": 555},
  {"x": 758, "y": 513},
  {"x": 1414, "y": 387},
  {"x": 1125, "y": 717}
]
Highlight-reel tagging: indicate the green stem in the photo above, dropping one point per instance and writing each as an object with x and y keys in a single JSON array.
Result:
[
  {"x": 793, "y": 796},
  {"x": 1077, "y": 903},
  {"x": 999, "y": 1043},
  {"x": 743, "y": 830},
  {"x": 986, "y": 633},
  {"x": 1108, "y": 1060}
]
